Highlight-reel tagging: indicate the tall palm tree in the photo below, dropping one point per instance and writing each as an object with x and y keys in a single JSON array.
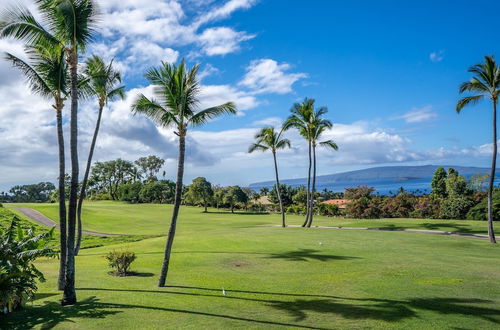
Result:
[
  {"x": 319, "y": 125},
  {"x": 177, "y": 91},
  {"x": 70, "y": 25},
  {"x": 101, "y": 82},
  {"x": 301, "y": 119},
  {"x": 47, "y": 74},
  {"x": 269, "y": 139},
  {"x": 485, "y": 83}
]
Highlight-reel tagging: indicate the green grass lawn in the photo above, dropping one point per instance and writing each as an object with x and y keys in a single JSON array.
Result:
[
  {"x": 153, "y": 219},
  {"x": 273, "y": 277}
]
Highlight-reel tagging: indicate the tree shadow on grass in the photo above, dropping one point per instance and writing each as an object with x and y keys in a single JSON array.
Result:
[
  {"x": 458, "y": 227},
  {"x": 389, "y": 228},
  {"x": 307, "y": 255},
  {"x": 237, "y": 213},
  {"x": 51, "y": 314},
  {"x": 298, "y": 306}
]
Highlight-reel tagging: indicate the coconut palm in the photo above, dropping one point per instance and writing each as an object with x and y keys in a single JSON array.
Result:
[
  {"x": 301, "y": 118},
  {"x": 101, "y": 82},
  {"x": 177, "y": 91},
  {"x": 47, "y": 75},
  {"x": 70, "y": 25},
  {"x": 485, "y": 83},
  {"x": 269, "y": 139},
  {"x": 319, "y": 126}
]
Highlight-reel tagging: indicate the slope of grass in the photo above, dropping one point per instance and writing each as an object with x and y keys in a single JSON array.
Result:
[
  {"x": 275, "y": 278},
  {"x": 153, "y": 219},
  {"x": 88, "y": 241}
]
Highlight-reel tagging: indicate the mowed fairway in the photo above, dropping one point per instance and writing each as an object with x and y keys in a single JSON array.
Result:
[{"x": 273, "y": 277}]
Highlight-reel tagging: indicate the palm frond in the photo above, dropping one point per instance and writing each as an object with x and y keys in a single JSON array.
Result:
[
  {"x": 205, "y": 115},
  {"x": 283, "y": 143},
  {"x": 37, "y": 84},
  {"x": 468, "y": 100},
  {"x": 329, "y": 144},
  {"x": 256, "y": 146}
]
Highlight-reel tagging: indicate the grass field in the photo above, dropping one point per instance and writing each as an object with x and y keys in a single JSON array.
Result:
[{"x": 274, "y": 277}]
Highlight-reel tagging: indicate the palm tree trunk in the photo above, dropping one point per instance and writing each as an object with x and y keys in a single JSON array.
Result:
[
  {"x": 282, "y": 210},
  {"x": 62, "y": 199},
  {"x": 69, "y": 297},
  {"x": 85, "y": 181},
  {"x": 313, "y": 190},
  {"x": 308, "y": 194},
  {"x": 491, "y": 232},
  {"x": 175, "y": 213}
]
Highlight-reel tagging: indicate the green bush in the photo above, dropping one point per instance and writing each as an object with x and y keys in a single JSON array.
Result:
[
  {"x": 120, "y": 261},
  {"x": 1, "y": 205},
  {"x": 129, "y": 192},
  {"x": 19, "y": 277},
  {"x": 296, "y": 209},
  {"x": 328, "y": 210},
  {"x": 100, "y": 197},
  {"x": 480, "y": 211},
  {"x": 455, "y": 208}
]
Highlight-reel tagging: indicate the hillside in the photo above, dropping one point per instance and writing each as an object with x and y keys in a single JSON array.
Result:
[{"x": 386, "y": 174}]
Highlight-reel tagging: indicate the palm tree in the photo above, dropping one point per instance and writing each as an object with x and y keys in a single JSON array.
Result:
[
  {"x": 101, "y": 80},
  {"x": 269, "y": 139},
  {"x": 70, "y": 25},
  {"x": 318, "y": 127},
  {"x": 485, "y": 83},
  {"x": 177, "y": 90},
  {"x": 47, "y": 75},
  {"x": 300, "y": 119}
]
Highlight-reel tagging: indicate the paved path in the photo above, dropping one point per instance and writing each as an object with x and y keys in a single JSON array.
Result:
[
  {"x": 421, "y": 231},
  {"x": 41, "y": 219}
]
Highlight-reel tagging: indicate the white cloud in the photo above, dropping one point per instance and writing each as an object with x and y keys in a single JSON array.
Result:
[
  {"x": 224, "y": 11},
  {"x": 221, "y": 40},
  {"x": 271, "y": 121},
  {"x": 418, "y": 115},
  {"x": 268, "y": 76},
  {"x": 437, "y": 56},
  {"x": 218, "y": 94}
]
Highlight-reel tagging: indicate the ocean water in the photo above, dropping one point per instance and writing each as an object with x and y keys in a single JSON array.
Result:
[{"x": 382, "y": 187}]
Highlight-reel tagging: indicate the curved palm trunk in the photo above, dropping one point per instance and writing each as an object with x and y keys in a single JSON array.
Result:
[
  {"x": 85, "y": 181},
  {"x": 491, "y": 232},
  {"x": 311, "y": 207},
  {"x": 62, "y": 200},
  {"x": 175, "y": 213},
  {"x": 69, "y": 297},
  {"x": 282, "y": 210},
  {"x": 308, "y": 194}
]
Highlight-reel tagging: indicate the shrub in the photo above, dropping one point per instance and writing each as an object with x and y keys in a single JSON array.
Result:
[
  {"x": 480, "y": 211},
  {"x": 19, "y": 277},
  {"x": 120, "y": 261},
  {"x": 364, "y": 208},
  {"x": 100, "y": 197},
  {"x": 426, "y": 207},
  {"x": 1, "y": 205},
  {"x": 455, "y": 208},
  {"x": 129, "y": 192},
  {"x": 296, "y": 209},
  {"x": 399, "y": 206},
  {"x": 329, "y": 210}
]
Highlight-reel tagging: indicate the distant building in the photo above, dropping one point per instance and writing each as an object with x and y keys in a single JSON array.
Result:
[{"x": 341, "y": 203}]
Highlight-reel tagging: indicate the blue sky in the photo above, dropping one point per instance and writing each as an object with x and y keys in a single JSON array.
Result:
[{"x": 387, "y": 70}]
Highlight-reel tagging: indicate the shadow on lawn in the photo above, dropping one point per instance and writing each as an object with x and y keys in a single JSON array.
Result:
[
  {"x": 237, "y": 213},
  {"x": 458, "y": 227},
  {"x": 296, "y": 305},
  {"x": 306, "y": 255}
]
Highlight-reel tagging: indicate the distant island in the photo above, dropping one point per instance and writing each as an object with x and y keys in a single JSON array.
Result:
[{"x": 385, "y": 179}]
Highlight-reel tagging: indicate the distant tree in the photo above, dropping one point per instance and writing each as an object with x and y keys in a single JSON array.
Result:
[
  {"x": 218, "y": 197},
  {"x": 455, "y": 207},
  {"x": 130, "y": 192},
  {"x": 150, "y": 166},
  {"x": 287, "y": 193},
  {"x": 268, "y": 139},
  {"x": 300, "y": 197},
  {"x": 177, "y": 92},
  {"x": 235, "y": 195},
  {"x": 200, "y": 191},
  {"x": 456, "y": 185},
  {"x": 32, "y": 193},
  {"x": 157, "y": 192},
  {"x": 264, "y": 191},
  {"x": 111, "y": 174},
  {"x": 438, "y": 184},
  {"x": 359, "y": 192},
  {"x": 476, "y": 182},
  {"x": 485, "y": 83}
]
